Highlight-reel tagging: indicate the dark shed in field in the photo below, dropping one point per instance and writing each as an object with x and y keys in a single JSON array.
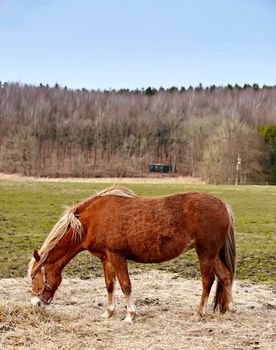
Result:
[{"x": 160, "y": 168}]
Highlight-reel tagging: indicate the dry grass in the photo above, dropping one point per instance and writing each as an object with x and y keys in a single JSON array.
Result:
[
  {"x": 165, "y": 317},
  {"x": 150, "y": 179}
]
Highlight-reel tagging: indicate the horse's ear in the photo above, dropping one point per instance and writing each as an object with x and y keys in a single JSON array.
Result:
[{"x": 36, "y": 255}]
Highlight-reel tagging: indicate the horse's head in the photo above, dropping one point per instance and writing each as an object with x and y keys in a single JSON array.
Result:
[{"x": 45, "y": 281}]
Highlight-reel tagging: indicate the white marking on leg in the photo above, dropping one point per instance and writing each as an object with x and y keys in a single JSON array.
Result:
[
  {"x": 202, "y": 307},
  {"x": 131, "y": 309},
  {"x": 205, "y": 306},
  {"x": 231, "y": 306},
  {"x": 111, "y": 304}
]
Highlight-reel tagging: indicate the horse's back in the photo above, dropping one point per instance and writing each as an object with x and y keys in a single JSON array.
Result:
[{"x": 156, "y": 229}]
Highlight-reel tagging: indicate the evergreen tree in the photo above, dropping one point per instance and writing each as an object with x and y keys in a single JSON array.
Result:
[
  {"x": 269, "y": 134},
  {"x": 212, "y": 88},
  {"x": 172, "y": 89},
  {"x": 199, "y": 87},
  {"x": 150, "y": 91}
]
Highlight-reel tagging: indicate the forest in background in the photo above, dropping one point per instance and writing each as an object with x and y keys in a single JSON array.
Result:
[{"x": 60, "y": 132}]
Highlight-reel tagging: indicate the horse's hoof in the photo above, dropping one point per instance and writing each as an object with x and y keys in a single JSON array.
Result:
[
  {"x": 107, "y": 314},
  {"x": 232, "y": 307},
  {"x": 198, "y": 316},
  {"x": 128, "y": 319},
  {"x": 200, "y": 313}
]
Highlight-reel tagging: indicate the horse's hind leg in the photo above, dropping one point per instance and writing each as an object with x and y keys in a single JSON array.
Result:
[
  {"x": 119, "y": 265},
  {"x": 110, "y": 282},
  {"x": 208, "y": 277},
  {"x": 223, "y": 298}
]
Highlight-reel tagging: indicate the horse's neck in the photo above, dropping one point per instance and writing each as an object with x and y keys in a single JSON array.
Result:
[{"x": 64, "y": 251}]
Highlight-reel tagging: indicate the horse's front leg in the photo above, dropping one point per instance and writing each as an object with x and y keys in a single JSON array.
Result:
[
  {"x": 119, "y": 265},
  {"x": 110, "y": 282}
]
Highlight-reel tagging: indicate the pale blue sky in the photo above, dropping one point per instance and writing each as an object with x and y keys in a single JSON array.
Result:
[{"x": 133, "y": 44}]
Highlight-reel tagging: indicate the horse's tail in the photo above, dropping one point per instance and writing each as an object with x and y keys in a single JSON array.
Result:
[{"x": 227, "y": 255}]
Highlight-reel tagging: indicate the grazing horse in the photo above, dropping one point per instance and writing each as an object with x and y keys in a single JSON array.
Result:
[{"x": 116, "y": 225}]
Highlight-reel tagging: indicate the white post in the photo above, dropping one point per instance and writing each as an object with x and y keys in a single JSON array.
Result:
[{"x": 238, "y": 170}]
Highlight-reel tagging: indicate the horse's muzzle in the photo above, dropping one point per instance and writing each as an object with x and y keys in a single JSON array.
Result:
[{"x": 36, "y": 301}]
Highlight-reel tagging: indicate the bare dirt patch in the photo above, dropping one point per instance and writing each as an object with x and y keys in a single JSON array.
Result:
[
  {"x": 165, "y": 317},
  {"x": 114, "y": 180}
]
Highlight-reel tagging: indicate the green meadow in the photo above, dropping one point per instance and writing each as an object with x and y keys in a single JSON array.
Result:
[{"x": 29, "y": 209}]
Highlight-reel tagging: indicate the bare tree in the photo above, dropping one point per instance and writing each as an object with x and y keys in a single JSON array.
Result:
[
  {"x": 230, "y": 140},
  {"x": 61, "y": 132}
]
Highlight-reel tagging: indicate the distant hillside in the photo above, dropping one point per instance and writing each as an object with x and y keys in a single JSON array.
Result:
[{"x": 199, "y": 131}]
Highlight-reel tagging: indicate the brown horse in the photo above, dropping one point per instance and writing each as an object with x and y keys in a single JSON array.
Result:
[{"x": 116, "y": 225}]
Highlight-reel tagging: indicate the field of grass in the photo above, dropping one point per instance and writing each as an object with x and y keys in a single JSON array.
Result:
[{"x": 29, "y": 209}]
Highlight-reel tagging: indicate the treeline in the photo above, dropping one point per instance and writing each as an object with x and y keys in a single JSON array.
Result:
[
  {"x": 150, "y": 91},
  {"x": 54, "y": 131}
]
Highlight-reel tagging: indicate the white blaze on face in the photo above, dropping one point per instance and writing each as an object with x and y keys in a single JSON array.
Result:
[{"x": 37, "y": 302}]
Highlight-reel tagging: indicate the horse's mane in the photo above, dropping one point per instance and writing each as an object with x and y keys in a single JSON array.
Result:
[
  {"x": 69, "y": 220},
  {"x": 116, "y": 191},
  {"x": 59, "y": 230}
]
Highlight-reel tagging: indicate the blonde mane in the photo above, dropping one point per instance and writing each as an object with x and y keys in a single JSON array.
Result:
[
  {"x": 67, "y": 220},
  {"x": 116, "y": 191}
]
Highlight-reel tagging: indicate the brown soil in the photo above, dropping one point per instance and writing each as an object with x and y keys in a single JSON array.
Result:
[{"x": 165, "y": 319}]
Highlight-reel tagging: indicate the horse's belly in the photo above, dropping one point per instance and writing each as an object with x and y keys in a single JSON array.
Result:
[{"x": 159, "y": 248}]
